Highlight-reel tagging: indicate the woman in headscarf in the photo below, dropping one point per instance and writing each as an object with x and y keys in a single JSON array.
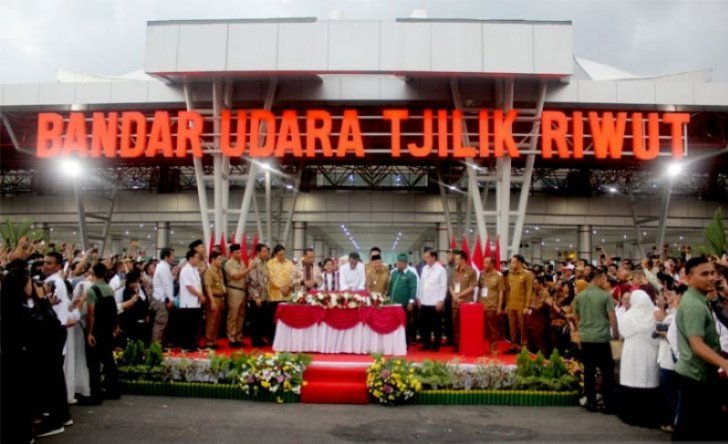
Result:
[{"x": 639, "y": 373}]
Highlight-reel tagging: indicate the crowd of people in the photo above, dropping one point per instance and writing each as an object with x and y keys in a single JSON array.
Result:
[{"x": 652, "y": 336}]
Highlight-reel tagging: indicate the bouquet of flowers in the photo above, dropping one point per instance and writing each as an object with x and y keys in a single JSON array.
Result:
[
  {"x": 339, "y": 299},
  {"x": 275, "y": 373},
  {"x": 392, "y": 381}
]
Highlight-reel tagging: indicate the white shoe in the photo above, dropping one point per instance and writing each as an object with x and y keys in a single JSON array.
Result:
[
  {"x": 73, "y": 401},
  {"x": 51, "y": 432},
  {"x": 68, "y": 423}
]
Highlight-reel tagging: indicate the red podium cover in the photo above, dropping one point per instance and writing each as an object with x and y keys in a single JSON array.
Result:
[{"x": 471, "y": 329}]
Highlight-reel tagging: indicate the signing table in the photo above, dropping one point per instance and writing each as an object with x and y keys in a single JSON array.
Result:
[{"x": 304, "y": 328}]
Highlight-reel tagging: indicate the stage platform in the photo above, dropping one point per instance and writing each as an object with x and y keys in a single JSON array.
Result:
[{"x": 341, "y": 378}]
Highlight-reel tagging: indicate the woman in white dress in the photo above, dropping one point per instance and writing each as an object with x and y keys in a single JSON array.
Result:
[{"x": 639, "y": 373}]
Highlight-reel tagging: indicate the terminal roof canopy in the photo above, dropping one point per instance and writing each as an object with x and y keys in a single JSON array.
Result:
[{"x": 412, "y": 47}]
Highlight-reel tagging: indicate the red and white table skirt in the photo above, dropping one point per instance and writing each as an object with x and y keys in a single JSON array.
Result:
[{"x": 304, "y": 328}]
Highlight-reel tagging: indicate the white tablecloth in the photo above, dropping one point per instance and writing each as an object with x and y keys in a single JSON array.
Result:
[{"x": 320, "y": 338}]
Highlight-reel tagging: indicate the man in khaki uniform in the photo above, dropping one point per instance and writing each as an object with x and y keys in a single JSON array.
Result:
[
  {"x": 492, "y": 289},
  {"x": 462, "y": 285},
  {"x": 236, "y": 272},
  {"x": 377, "y": 276},
  {"x": 215, "y": 292},
  {"x": 519, "y": 292}
]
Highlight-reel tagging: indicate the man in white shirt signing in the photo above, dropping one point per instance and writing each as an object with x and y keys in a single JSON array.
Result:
[
  {"x": 431, "y": 300},
  {"x": 352, "y": 276},
  {"x": 191, "y": 299}
]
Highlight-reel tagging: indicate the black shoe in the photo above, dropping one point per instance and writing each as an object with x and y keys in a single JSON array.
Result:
[
  {"x": 426, "y": 347},
  {"x": 258, "y": 344},
  {"x": 211, "y": 346},
  {"x": 435, "y": 348},
  {"x": 235, "y": 344},
  {"x": 112, "y": 395},
  {"x": 591, "y": 408},
  {"x": 512, "y": 351}
]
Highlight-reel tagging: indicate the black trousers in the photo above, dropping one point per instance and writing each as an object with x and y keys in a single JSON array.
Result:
[
  {"x": 261, "y": 321},
  {"x": 430, "y": 323},
  {"x": 188, "y": 326},
  {"x": 448, "y": 327},
  {"x": 698, "y": 412},
  {"x": 102, "y": 354},
  {"x": 598, "y": 355}
]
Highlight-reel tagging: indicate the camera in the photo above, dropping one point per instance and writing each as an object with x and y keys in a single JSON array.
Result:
[{"x": 660, "y": 328}]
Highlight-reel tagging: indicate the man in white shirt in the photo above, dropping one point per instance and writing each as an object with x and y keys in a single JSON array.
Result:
[
  {"x": 352, "y": 277},
  {"x": 69, "y": 317},
  {"x": 118, "y": 282},
  {"x": 191, "y": 299},
  {"x": 163, "y": 296},
  {"x": 431, "y": 300}
]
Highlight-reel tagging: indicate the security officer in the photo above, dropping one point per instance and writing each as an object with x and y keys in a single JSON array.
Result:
[
  {"x": 462, "y": 286},
  {"x": 215, "y": 291},
  {"x": 235, "y": 271},
  {"x": 492, "y": 289}
]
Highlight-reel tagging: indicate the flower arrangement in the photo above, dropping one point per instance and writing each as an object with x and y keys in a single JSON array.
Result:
[
  {"x": 392, "y": 381},
  {"x": 274, "y": 373},
  {"x": 485, "y": 375},
  {"x": 339, "y": 299},
  {"x": 540, "y": 374}
]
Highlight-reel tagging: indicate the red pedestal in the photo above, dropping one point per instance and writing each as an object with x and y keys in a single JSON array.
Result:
[{"x": 471, "y": 329}]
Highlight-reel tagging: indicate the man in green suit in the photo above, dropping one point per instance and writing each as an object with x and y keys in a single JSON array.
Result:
[{"x": 403, "y": 291}]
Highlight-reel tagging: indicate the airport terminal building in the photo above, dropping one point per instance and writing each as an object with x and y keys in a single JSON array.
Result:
[{"x": 343, "y": 135}]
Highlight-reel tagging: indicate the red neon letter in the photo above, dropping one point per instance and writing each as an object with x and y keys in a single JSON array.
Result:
[
  {"x": 350, "y": 135},
  {"x": 104, "y": 133},
  {"x": 484, "y": 136},
  {"x": 458, "y": 150},
  {"x": 426, "y": 148},
  {"x": 289, "y": 135},
  {"x": 237, "y": 149},
  {"x": 258, "y": 118},
  {"x": 75, "y": 141},
  {"x": 553, "y": 135},
  {"x": 396, "y": 116},
  {"x": 50, "y": 128},
  {"x": 189, "y": 129},
  {"x": 608, "y": 139},
  {"x": 442, "y": 147},
  {"x": 160, "y": 138},
  {"x": 503, "y": 133},
  {"x": 322, "y": 133},
  {"x": 638, "y": 139},
  {"x": 131, "y": 120},
  {"x": 677, "y": 120}
]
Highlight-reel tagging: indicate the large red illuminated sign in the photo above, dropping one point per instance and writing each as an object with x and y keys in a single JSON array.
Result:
[{"x": 317, "y": 133}]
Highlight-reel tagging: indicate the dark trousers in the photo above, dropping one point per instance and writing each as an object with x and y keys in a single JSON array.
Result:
[
  {"x": 430, "y": 323},
  {"x": 102, "y": 354},
  {"x": 448, "y": 327},
  {"x": 698, "y": 412},
  {"x": 668, "y": 386},
  {"x": 598, "y": 355},
  {"x": 188, "y": 325},
  {"x": 261, "y": 322},
  {"x": 412, "y": 323}
]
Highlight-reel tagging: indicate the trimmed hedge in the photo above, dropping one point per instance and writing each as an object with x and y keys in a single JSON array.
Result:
[
  {"x": 201, "y": 390},
  {"x": 530, "y": 398}
]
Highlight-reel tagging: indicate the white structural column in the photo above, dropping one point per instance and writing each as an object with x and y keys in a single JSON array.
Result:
[
  {"x": 619, "y": 251},
  {"x": 528, "y": 172},
  {"x": 299, "y": 236},
  {"x": 217, "y": 160},
  {"x": 474, "y": 197},
  {"x": 199, "y": 177},
  {"x": 445, "y": 204},
  {"x": 319, "y": 249},
  {"x": 536, "y": 251},
  {"x": 249, "y": 194},
  {"x": 585, "y": 242},
  {"x": 162, "y": 238},
  {"x": 503, "y": 182},
  {"x": 268, "y": 211},
  {"x": 443, "y": 239}
]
